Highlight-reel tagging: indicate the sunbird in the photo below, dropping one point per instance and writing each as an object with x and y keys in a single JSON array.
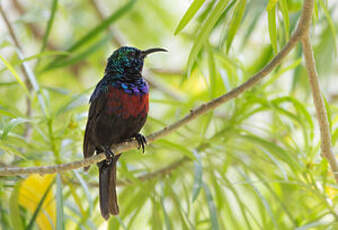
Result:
[{"x": 118, "y": 110}]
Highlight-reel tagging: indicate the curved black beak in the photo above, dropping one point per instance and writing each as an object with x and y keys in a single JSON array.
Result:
[{"x": 144, "y": 53}]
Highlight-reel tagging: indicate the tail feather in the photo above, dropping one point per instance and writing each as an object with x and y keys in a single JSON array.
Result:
[{"x": 107, "y": 181}]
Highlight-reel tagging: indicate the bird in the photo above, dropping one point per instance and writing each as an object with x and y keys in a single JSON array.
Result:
[{"x": 118, "y": 110}]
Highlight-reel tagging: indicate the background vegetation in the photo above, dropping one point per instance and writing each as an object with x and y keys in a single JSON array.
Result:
[{"x": 253, "y": 163}]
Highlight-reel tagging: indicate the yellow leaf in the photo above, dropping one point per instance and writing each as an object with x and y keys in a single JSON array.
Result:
[{"x": 30, "y": 194}]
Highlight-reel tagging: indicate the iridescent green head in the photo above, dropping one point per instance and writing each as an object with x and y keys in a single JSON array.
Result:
[{"x": 128, "y": 60}]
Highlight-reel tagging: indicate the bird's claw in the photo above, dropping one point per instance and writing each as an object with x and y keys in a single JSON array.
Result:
[
  {"x": 141, "y": 140},
  {"x": 109, "y": 156}
]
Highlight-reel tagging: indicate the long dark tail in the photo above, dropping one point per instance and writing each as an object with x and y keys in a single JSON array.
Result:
[{"x": 107, "y": 181}]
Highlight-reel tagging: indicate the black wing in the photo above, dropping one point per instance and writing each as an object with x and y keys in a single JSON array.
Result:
[{"x": 97, "y": 103}]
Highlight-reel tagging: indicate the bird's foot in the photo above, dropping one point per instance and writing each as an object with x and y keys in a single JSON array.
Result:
[
  {"x": 141, "y": 140},
  {"x": 109, "y": 155}
]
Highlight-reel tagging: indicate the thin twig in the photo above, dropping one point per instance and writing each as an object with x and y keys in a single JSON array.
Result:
[
  {"x": 302, "y": 26},
  {"x": 325, "y": 134}
]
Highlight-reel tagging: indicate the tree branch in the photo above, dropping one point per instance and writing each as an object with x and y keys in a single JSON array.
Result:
[
  {"x": 302, "y": 26},
  {"x": 325, "y": 134}
]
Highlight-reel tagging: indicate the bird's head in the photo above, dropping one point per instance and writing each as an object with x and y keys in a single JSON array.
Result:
[{"x": 129, "y": 60}]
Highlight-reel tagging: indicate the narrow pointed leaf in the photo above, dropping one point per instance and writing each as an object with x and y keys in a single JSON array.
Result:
[
  {"x": 204, "y": 33},
  {"x": 14, "y": 211},
  {"x": 235, "y": 22},
  {"x": 59, "y": 204},
  {"x": 197, "y": 176},
  {"x": 273, "y": 28},
  {"x": 212, "y": 208},
  {"x": 15, "y": 74},
  {"x": 189, "y": 14},
  {"x": 49, "y": 24}
]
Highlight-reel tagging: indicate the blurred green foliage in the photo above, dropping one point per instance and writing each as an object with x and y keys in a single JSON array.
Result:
[{"x": 253, "y": 163}]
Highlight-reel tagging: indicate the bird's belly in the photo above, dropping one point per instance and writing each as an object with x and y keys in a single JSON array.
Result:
[{"x": 123, "y": 117}]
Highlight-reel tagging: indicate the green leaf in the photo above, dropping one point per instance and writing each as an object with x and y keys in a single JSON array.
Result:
[
  {"x": 334, "y": 137},
  {"x": 113, "y": 224},
  {"x": 10, "y": 125},
  {"x": 263, "y": 200},
  {"x": 14, "y": 211},
  {"x": 212, "y": 208},
  {"x": 74, "y": 102},
  {"x": 103, "y": 25},
  {"x": 241, "y": 204},
  {"x": 49, "y": 24},
  {"x": 197, "y": 176},
  {"x": 315, "y": 11},
  {"x": 85, "y": 188},
  {"x": 275, "y": 149},
  {"x": 82, "y": 55},
  {"x": 97, "y": 30},
  {"x": 315, "y": 225},
  {"x": 283, "y": 6},
  {"x": 301, "y": 109},
  {"x": 189, "y": 14},
  {"x": 156, "y": 221},
  {"x": 180, "y": 148},
  {"x": 235, "y": 22},
  {"x": 38, "y": 207},
  {"x": 35, "y": 85},
  {"x": 11, "y": 149},
  {"x": 331, "y": 24},
  {"x": 212, "y": 73},
  {"x": 272, "y": 27},
  {"x": 44, "y": 54},
  {"x": 12, "y": 70},
  {"x": 271, "y": 4},
  {"x": 59, "y": 204},
  {"x": 204, "y": 32},
  {"x": 165, "y": 214}
]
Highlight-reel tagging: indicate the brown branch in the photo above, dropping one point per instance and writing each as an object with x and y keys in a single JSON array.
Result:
[
  {"x": 302, "y": 26},
  {"x": 325, "y": 134}
]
